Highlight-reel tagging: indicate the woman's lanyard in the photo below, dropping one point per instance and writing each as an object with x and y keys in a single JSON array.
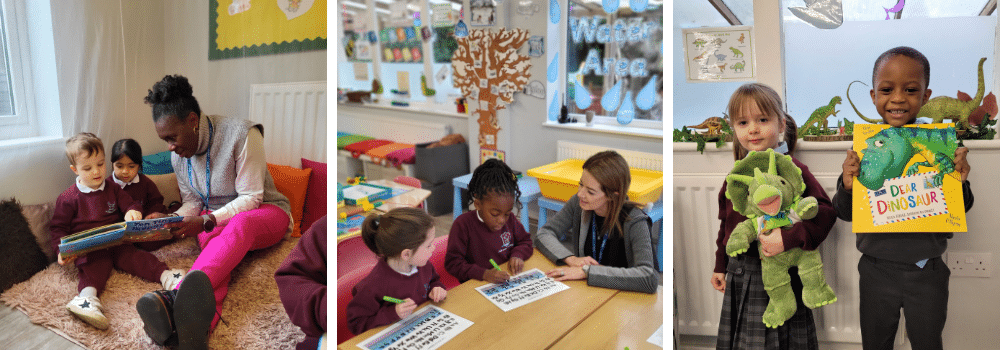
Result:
[
  {"x": 593, "y": 240},
  {"x": 208, "y": 170}
]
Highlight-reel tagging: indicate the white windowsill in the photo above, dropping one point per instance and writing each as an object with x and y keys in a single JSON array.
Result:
[
  {"x": 609, "y": 129},
  {"x": 444, "y": 109},
  {"x": 29, "y": 142}
]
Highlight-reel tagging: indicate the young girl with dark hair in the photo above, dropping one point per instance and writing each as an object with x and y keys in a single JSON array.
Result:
[
  {"x": 403, "y": 240},
  {"x": 126, "y": 156},
  {"x": 602, "y": 236},
  {"x": 491, "y": 232}
]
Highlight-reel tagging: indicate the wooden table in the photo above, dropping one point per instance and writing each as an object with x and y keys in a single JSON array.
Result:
[
  {"x": 627, "y": 320},
  {"x": 533, "y": 326},
  {"x": 411, "y": 198}
]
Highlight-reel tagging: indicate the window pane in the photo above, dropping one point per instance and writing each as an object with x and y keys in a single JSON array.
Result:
[
  {"x": 743, "y": 9},
  {"x": 876, "y": 11},
  {"x": 613, "y": 57},
  {"x": 6, "y": 85}
]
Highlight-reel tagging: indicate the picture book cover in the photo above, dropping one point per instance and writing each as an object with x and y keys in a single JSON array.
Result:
[
  {"x": 907, "y": 180},
  {"x": 114, "y": 234}
]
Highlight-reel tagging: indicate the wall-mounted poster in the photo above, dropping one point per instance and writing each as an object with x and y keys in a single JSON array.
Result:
[
  {"x": 442, "y": 15},
  {"x": 401, "y": 45},
  {"x": 907, "y": 180},
  {"x": 237, "y": 29},
  {"x": 719, "y": 54},
  {"x": 483, "y": 12}
]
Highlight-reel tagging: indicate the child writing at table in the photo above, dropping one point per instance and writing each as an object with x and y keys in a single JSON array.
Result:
[
  {"x": 491, "y": 234},
  {"x": 402, "y": 279},
  {"x": 760, "y": 123}
]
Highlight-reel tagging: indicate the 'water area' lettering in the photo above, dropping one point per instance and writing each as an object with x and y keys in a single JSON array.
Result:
[{"x": 627, "y": 30}]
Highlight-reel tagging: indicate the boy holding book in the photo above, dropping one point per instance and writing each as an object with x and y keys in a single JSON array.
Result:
[{"x": 94, "y": 201}]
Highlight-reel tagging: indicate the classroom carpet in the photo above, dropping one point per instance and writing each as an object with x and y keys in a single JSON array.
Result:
[{"x": 253, "y": 314}]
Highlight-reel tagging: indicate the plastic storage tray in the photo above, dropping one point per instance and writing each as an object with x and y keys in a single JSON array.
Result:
[
  {"x": 374, "y": 193},
  {"x": 560, "y": 181}
]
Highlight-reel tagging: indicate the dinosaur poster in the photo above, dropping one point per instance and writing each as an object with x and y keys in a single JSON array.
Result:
[
  {"x": 908, "y": 181},
  {"x": 719, "y": 54}
]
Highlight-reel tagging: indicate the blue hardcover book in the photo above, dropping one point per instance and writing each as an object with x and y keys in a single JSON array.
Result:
[{"x": 111, "y": 235}]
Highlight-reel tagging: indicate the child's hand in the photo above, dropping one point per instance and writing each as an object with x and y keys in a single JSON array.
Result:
[
  {"x": 133, "y": 215},
  {"x": 406, "y": 308},
  {"x": 771, "y": 243},
  {"x": 962, "y": 164},
  {"x": 155, "y": 216},
  {"x": 64, "y": 262},
  {"x": 495, "y": 276},
  {"x": 852, "y": 168},
  {"x": 438, "y": 294},
  {"x": 515, "y": 265},
  {"x": 719, "y": 281},
  {"x": 577, "y": 261}
]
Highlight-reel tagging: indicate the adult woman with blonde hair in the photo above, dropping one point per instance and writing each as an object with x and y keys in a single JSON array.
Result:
[{"x": 599, "y": 234}]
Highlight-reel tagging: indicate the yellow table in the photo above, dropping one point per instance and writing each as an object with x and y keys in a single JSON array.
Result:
[
  {"x": 627, "y": 320},
  {"x": 533, "y": 326}
]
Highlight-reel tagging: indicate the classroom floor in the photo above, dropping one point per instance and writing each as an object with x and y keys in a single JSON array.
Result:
[{"x": 17, "y": 332}]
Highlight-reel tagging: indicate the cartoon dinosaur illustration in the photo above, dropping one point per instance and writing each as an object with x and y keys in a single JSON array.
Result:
[
  {"x": 741, "y": 38},
  {"x": 722, "y": 67},
  {"x": 738, "y": 67},
  {"x": 718, "y": 41},
  {"x": 819, "y": 116},
  {"x": 699, "y": 43},
  {"x": 736, "y": 53},
  {"x": 700, "y": 57},
  {"x": 939, "y": 108},
  {"x": 889, "y": 150},
  {"x": 720, "y": 57},
  {"x": 770, "y": 200},
  {"x": 713, "y": 124}
]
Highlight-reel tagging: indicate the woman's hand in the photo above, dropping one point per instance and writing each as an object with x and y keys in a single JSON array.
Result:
[
  {"x": 771, "y": 243},
  {"x": 515, "y": 265},
  {"x": 495, "y": 276},
  {"x": 577, "y": 261},
  {"x": 437, "y": 294},
  {"x": 133, "y": 215},
  {"x": 156, "y": 215},
  {"x": 190, "y": 225},
  {"x": 566, "y": 273},
  {"x": 852, "y": 168},
  {"x": 719, "y": 281},
  {"x": 406, "y": 308}
]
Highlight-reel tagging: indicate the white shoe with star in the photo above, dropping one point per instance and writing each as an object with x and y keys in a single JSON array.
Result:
[
  {"x": 88, "y": 309},
  {"x": 171, "y": 278}
]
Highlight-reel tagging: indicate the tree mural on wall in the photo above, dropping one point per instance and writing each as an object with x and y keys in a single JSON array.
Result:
[{"x": 488, "y": 69}]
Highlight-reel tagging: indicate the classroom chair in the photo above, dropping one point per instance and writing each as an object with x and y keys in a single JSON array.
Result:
[
  {"x": 437, "y": 259},
  {"x": 344, "y": 285},
  {"x": 412, "y": 182},
  {"x": 354, "y": 255}
]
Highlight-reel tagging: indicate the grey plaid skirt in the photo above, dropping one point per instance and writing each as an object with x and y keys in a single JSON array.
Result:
[{"x": 742, "y": 326}]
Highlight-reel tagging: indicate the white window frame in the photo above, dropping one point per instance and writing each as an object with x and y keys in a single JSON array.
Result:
[{"x": 18, "y": 53}]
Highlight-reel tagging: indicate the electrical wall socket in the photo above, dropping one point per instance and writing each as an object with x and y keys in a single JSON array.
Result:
[{"x": 969, "y": 264}]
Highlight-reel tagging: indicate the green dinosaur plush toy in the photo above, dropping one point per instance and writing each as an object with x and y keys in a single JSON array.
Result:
[{"x": 772, "y": 198}]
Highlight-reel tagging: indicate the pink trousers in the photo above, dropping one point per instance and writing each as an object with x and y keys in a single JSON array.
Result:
[{"x": 224, "y": 248}]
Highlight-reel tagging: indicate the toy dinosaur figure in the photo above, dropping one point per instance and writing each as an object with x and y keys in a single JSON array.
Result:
[
  {"x": 713, "y": 124},
  {"x": 423, "y": 86},
  {"x": 736, "y": 53},
  {"x": 819, "y": 116},
  {"x": 889, "y": 150},
  {"x": 940, "y": 108},
  {"x": 738, "y": 67},
  {"x": 770, "y": 200}
]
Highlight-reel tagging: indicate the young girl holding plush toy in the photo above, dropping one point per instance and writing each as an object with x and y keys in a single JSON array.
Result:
[{"x": 759, "y": 122}]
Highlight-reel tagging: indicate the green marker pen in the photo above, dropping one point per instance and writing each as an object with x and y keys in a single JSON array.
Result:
[
  {"x": 392, "y": 300},
  {"x": 495, "y": 265}
]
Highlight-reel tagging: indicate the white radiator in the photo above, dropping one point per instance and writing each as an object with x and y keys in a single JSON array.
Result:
[
  {"x": 696, "y": 226},
  {"x": 635, "y": 159},
  {"x": 294, "y": 120}
]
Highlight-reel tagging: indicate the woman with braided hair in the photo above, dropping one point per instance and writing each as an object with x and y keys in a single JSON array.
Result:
[
  {"x": 491, "y": 232},
  {"x": 602, "y": 236}
]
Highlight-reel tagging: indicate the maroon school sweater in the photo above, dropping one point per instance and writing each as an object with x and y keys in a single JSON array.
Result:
[
  {"x": 367, "y": 310},
  {"x": 146, "y": 193},
  {"x": 807, "y": 234},
  {"x": 471, "y": 245},
  {"x": 301, "y": 280},
  {"x": 76, "y": 211}
]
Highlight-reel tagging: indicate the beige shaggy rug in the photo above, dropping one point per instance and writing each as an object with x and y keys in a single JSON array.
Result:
[{"x": 256, "y": 319}]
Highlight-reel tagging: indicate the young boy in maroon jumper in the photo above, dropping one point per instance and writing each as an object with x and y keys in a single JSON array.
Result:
[
  {"x": 94, "y": 201},
  {"x": 491, "y": 231}
]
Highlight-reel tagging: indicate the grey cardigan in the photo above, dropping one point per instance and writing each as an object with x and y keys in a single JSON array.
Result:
[{"x": 564, "y": 235}]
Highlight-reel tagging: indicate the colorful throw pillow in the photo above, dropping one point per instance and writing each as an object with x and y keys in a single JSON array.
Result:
[
  {"x": 315, "y": 207},
  {"x": 157, "y": 164},
  {"x": 293, "y": 183}
]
